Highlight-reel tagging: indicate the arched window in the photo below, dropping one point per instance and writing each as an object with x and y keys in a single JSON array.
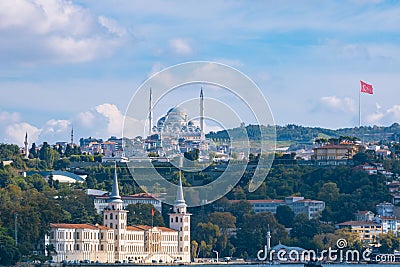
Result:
[
  {"x": 111, "y": 216},
  {"x": 111, "y": 225}
]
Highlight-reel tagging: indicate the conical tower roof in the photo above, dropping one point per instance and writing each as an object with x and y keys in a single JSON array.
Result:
[
  {"x": 180, "y": 200},
  {"x": 115, "y": 197}
]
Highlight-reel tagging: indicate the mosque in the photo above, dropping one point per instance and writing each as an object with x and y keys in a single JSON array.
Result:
[
  {"x": 175, "y": 132},
  {"x": 115, "y": 241}
]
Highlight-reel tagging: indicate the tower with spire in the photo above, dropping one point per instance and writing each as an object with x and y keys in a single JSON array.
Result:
[
  {"x": 26, "y": 146},
  {"x": 202, "y": 114},
  {"x": 115, "y": 217},
  {"x": 150, "y": 112},
  {"x": 180, "y": 221}
]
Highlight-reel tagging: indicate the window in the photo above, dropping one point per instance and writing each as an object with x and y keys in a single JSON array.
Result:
[
  {"x": 172, "y": 219},
  {"x": 77, "y": 237},
  {"x": 111, "y": 225},
  {"x": 106, "y": 216},
  {"x": 77, "y": 246},
  {"x": 116, "y": 217},
  {"x": 176, "y": 219},
  {"x": 111, "y": 216}
]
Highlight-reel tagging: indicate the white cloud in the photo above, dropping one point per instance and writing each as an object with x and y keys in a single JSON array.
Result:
[
  {"x": 114, "y": 118},
  {"x": 112, "y": 26},
  {"x": 15, "y": 133},
  {"x": 10, "y": 117},
  {"x": 155, "y": 68},
  {"x": 57, "y": 31},
  {"x": 180, "y": 46},
  {"x": 395, "y": 112},
  {"x": 334, "y": 103},
  {"x": 384, "y": 117},
  {"x": 55, "y": 130}
]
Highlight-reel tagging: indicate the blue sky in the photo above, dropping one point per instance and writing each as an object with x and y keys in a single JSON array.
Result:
[{"x": 65, "y": 63}]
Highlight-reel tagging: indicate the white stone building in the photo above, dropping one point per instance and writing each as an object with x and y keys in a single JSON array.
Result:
[
  {"x": 116, "y": 242},
  {"x": 312, "y": 208}
]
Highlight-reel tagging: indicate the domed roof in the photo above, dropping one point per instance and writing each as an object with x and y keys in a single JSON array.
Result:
[
  {"x": 161, "y": 121},
  {"x": 176, "y": 109}
]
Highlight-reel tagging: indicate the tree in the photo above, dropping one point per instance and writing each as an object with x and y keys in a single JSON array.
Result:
[
  {"x": 141, "y": 214},
  {"x": 389, "y": 242},
  {"x": 192, "y": 155},
  {"x": 285, "y": 215},
  {"x": 32, "y": 151},
  {"x": 207, "y": 234},
  {"x": 9, "y": 254},
  {"x": 226, "y": 223},
  {"x": 329, "y": 192},
  {"x": 193, "y": 248},
  {"x": 48, "y": 154},
  {"x": 252, "y": 234}
]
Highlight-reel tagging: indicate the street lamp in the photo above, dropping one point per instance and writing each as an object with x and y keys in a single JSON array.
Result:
[{"x": 216, "y": 252}]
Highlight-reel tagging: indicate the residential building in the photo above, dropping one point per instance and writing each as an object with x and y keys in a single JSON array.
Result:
[
  {"x": 388, "y": 224},
  {"x": 115, "y": 241},
  {"x": 367, "y": 231},
  {"x": 334, "y": 154},
  {"x": 312, "y": 208},
  {"x": 385, "y": 209},
  {"x": 364, "y": 215}
]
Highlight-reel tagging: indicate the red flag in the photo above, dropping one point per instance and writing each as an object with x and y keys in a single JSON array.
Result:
[
  {"x": 366, "y": 88},
  {"x": 152, "y": 212}
]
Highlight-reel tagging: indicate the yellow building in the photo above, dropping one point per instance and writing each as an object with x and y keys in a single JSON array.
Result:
[
  {"x": 367, "y": 231},
  {"x": 334, "y": 154}
]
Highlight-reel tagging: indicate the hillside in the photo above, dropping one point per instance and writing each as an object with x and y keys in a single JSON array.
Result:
[{"x": 295, "y": 134}]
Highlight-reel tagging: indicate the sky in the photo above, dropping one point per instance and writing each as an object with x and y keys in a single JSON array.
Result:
[{"x": 78, "y": 63}]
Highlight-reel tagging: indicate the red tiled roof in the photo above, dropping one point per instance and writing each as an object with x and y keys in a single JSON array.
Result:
[
  {"x": 78, "y": 226},
  {"x": 363, "y": 212},
  {"x": 266, "y": 201},
  {"x": 146, "y": 228},
  {"x": 133, "y": 228}
]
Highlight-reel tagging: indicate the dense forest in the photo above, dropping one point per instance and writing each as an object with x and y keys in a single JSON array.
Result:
[
  {"x": 232, "y": 229},
  {"x": 296, "y": 134}
]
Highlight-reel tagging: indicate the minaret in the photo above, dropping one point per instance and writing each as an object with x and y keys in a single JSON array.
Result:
[
  {"x": 72, "y": 137},
  {"x": 268, "y": 240},
  {"x": 115, "y": 217},
  {"x": 26, "y": 146},
  {"x": 180, "y": 221},
  {"x": 202, "y": 114},
  {"x": 150, "y": 112}
]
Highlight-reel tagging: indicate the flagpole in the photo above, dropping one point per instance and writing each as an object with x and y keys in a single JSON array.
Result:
[{"x": 359, "y": 108}]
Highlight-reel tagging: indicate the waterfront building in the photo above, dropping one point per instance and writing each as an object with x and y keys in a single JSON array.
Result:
[
  {"x": 115, "y": 241},
  {"x": 368, "y": 232}
]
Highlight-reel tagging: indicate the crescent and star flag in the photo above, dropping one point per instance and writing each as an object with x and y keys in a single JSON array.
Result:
[
  {"x": 366, "y": 88},
  {"x": 152, "y": 212}
]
